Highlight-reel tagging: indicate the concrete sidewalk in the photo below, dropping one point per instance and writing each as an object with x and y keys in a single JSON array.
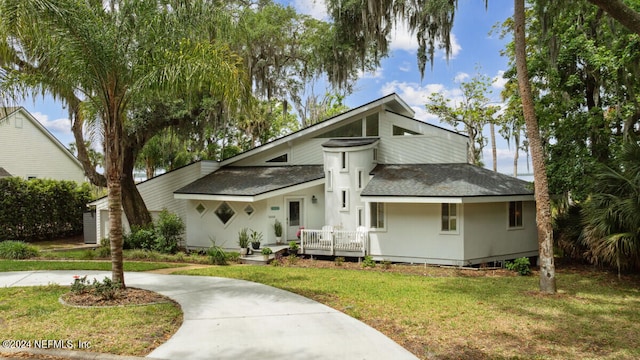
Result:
[{"x": 236, "y": 319}]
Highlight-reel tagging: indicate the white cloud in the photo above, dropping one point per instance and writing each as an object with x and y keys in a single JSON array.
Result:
[
  {"x": 57, "y": 126},
  {"x": 460, "y": 77},
  {"x": 405, "y": 66},
  {"x": 376, "y": 74},
  {"x": 498, "y": 81},
  {"x": 315, "y": 8},
  {"x": 416, "y": 95}
]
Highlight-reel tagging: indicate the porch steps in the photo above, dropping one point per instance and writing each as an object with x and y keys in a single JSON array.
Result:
[{"x": 258, "y": 259}]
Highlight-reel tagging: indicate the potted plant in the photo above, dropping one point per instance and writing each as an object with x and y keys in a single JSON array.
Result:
[
  {"x": 256, "y": 239},
  {"x": 266, "y": 252},
  {"x": 243, "y": 241},
  {"x": 293, "y": 247},
  {"x": 277, "y": 228}
]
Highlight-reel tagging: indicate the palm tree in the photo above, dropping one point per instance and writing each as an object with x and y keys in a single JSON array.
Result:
[
  {"x": 611, "y": 218},
  {"x": 114, "y": 54},
  {"x": 541, "y": 186}
]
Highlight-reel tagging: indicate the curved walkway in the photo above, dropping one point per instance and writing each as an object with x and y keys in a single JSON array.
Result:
[{"x": 236, "y": 319}]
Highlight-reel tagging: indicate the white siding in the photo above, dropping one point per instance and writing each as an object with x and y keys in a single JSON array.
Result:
[
  {"x": 28, "y": 150},
  {"x": 435, "y": 145},
  {"x": 157, "y": 193},
  {"x": 413, "y": 234},
  {"x": 203, "y": 227},
  {"x": 488, "y": 237}
]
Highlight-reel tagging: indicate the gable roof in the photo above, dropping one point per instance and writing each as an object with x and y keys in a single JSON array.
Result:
[
  {"x": 442, "y": 180},
  {"x": 8, "y": 111},
  {"x": 252, "y": 180},
  {"x": 391, "y": 101}
]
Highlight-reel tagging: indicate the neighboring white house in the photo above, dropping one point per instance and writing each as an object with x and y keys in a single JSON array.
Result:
[
  {"x": 30, "y": 151},
  {"x": 372, "y": 181}
]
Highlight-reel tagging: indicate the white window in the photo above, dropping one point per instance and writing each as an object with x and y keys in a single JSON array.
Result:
[
  {"x": 344, "y": 162},
  {"x": 344, "y": 200},
  {"x": 329, "y": 180},
  {"x": 375, "y": 155},
  {"x": 449, "y": 217},
  {"x": 360, "y": 216},
  {"x": 515, "y": 214},
  {"x": 360, "y": 179},
  {"x": 376, "y": 215}
]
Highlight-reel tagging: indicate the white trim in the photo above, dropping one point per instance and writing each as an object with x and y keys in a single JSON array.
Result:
[
  {"x": 240, "y": 198},
  {"x": 456, "y": 200}
]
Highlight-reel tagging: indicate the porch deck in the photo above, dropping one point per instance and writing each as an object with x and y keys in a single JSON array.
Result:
[{"x": 334, "y": 242}]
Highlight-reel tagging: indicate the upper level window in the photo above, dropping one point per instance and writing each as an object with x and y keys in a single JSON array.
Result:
[
  {"x": 399, "y": 131},
  {"x": 371, "y": 123},
  {"x": 515, "y": 214},
  {"x": 449, "y": 217},
  {"x": 343, "y": 161},
  {"x": 279, "y": 159},
  {"x": 344, "y": 200},
  {"x": 353, "y": 129}
]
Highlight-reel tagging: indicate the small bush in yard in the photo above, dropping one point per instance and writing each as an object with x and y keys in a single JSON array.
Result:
[
  {"x": 106, "y": 290},
  {"x": 216, "y": 255},
  {"x": 520, "y": 265},
  {"x": 17, "y": 250},
  {"x": 368, "y": 262},
  {"x": 339, "y": 261}
]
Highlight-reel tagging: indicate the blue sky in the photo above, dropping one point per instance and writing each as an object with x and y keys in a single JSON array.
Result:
[{"x": 473, "y": 47}]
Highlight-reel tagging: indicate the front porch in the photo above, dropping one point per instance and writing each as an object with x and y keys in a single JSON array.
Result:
[{"x": 332, "y": 242}]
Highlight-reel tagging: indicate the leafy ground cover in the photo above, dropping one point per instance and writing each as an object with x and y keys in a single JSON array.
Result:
[{"x": 32, "y": 265}]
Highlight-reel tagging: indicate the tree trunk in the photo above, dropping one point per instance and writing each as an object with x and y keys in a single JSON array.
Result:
[
  {"x": 114, "y": 169},
  {"x": 77, "y": 126},
  {"x": 494, "y": 151},
  {"x": 132, "y": 203},
  {"x": 541, "y": 187}
]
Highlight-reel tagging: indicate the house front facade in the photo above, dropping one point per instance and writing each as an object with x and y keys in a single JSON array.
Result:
[{"x": 371, "y": 181}]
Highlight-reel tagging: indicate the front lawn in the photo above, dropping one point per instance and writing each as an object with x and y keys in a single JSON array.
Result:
[{"x": 461, "y": 315}]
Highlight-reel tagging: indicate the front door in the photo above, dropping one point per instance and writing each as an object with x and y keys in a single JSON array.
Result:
[{"x": 294, "y": 218}]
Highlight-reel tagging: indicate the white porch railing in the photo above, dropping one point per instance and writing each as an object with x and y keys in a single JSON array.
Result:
[{"x": 334, "y": 242}]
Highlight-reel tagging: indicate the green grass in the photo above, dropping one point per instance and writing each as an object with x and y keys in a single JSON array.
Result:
[
  {"x": 34, "y": 313},
  {"x": 31, "y": 265},
  {"x": 594, "y": 316}
]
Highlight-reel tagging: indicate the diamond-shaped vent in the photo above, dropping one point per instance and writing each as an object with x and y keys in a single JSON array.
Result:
[
  {"x": 249, "y": 210},
  {"x": 200, "y": 209}
]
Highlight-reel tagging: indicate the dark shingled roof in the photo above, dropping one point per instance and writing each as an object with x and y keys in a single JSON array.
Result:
[
  {"x": 252, "y": 180},
  {"x": 349, "y": 142},
  {"x": 442, "y": 180},
  {"x": 4, "y": 173}
]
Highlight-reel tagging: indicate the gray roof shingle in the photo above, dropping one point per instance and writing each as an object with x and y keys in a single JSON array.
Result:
[
  {"x": 4, "y": 173},
  {"x": 442, "y": 180},
  {"x": 252, "y": 180}
]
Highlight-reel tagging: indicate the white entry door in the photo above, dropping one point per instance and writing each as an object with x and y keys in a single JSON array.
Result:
[{"x": 294, "y": 218}]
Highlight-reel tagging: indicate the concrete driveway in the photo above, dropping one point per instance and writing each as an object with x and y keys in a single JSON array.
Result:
[{"x": 236, "y": 319}]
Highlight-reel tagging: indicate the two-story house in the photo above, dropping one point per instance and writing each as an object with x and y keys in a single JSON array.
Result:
[{"x": 372, "y": 181}]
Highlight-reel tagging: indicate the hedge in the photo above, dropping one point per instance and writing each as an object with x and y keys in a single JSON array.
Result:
[{"x": 41, "y": 209}]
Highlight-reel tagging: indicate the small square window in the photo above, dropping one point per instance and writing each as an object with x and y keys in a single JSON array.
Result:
[
  {"x": 449, "y": 217},
  {"x": 376, "y": 214}
]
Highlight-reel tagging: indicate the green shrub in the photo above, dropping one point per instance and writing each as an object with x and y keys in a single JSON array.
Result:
[
  {"x": 169, "y": 231},
  {"x": 368, "y": 262},
  {"x": 338, "y": 261},
  {"x": 232, "y": 256},
  {"x": 104, "y": 250},
  {"x": 216, "y": 255},
  {"x": 140, "y": 238},
  {"x": 520, "y": 265},
  {"x": 386, "y": 264},
  {"x": 292, "y": 259},
  {"x": 17, "y": 250},
  {"x": 106, "y": 290}
]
